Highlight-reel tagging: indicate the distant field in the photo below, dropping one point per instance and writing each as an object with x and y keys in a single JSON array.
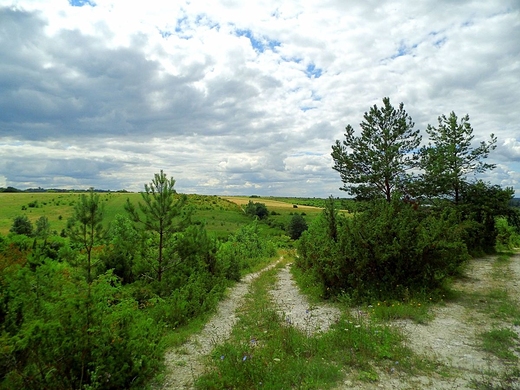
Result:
[
  {"x": 220, "y": 216},
  {"x": 272, "y": 204}
]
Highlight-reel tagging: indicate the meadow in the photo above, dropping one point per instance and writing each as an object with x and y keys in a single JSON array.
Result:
[{"x": 221, "y": 215}]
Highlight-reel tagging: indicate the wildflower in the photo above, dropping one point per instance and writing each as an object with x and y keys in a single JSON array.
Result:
[{"x": 222, "y": 357}]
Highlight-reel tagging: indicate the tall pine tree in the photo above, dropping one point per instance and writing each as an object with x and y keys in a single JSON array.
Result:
[{"x": 375, "y": 164}]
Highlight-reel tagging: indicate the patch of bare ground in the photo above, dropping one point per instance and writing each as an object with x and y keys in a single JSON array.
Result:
[
  {"x": 184, "y": 364},
  {"x": 451, "y": 338},
  {"x": 295, "y": 309}
]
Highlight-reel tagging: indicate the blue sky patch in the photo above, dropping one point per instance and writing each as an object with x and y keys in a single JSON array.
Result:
[
  {"x": 404, "y": 50},
  {"x": 81, "y": 3},
  {"x": 313, "y": 72},
  {"x": 260, "y": 45}
]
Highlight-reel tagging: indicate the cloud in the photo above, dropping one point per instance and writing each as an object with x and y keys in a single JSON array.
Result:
[{"x": 233, "y": 97}]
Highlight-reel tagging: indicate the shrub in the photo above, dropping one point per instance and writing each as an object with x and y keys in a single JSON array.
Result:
[
  {"x": 22, "y": 225},
  {"x": 296, "y": 226},
  {"x": 256, "y": 209},
  {"x": 385, "y": 252},
  {"x": 58, "y": 336},
  {"x": 507, "y": 237}
]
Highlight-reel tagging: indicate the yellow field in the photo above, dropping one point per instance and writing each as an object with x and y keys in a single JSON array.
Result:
[{"x": 269, "y": 203}]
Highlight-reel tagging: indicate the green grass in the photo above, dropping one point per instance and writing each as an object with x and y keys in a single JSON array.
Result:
[
  {"x": 501, "y": 343},
  {"x": 265, "y": 353},
  {"x": 220, "y": 216},
  {"x": 417, "y": 311},
  {"x": 498, "y": 380}
]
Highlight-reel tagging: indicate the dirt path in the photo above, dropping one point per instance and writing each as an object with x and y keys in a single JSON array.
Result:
[
  {"x": 296, "y": 310},
  {"x": 184, "y": 363},
  {"x": 451, "y": 337}
]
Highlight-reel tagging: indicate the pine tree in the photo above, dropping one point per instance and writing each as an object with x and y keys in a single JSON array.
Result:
[{"x": 375, "y": 163}]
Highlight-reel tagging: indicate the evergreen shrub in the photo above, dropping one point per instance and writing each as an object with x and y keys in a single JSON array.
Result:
[{"x": 387, "y": 251}]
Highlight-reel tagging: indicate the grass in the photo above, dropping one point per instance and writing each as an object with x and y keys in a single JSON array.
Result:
[
  {"x": 265, "y": 353},
  {"x": 417, "y": 311},
  {"x": 220, "y": 216},
  {"x": 501, "y": 343},
  {"x": 498, "y": 380}
]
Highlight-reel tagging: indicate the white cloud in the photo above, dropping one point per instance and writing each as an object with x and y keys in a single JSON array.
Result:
[{"x": 230, "y": 96}]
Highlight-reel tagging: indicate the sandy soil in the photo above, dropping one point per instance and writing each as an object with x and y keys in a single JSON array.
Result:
[{"x": 296, "y": 310}]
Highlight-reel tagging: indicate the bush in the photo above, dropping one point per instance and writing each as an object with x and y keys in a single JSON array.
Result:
[
  {"x": 22, "y": 225},
  {"x": 58, "y": 336},
  {"x": 296, "y": 226},
  {"x": 242, "y": 250},
  {"x": 507, "y": 236},
  {"x": 385, "y": 252},
  {"x": 256, "y": 209}
]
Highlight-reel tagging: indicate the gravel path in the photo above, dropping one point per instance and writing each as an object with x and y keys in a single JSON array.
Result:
[
  {"x": 450, "y": 338},
  {"x": 184, "y": 363},
  {"x": 296, "y": 310}
]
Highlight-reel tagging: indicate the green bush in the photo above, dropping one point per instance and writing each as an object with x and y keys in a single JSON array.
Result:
[
  {"x": 256, "y": 209},
  {"x": 507, "y": 236},
  {"x": 22, "y": 225},
  {"x": 60, "y": 333},
  {"x": 387, "y": 251},
  {"x": 296, "y": 226},
  {"x": 242, "y": 251}
]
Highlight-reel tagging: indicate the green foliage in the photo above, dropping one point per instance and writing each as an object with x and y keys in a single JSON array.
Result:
[
  {"x": 256, "y": 209},
  {"x": 374, "y": 164},
  {"x": 85, "y": 228},
  {"x": 242, "y": 251},
  {"x": 508, "y": 236},
  {"x": 47, "y": 341},
  {"x": 123, "y": 250},
  {"x": 158, "y": 214},
  {"x": 388, "y": 251},
  {"x": 480, "y": 204},
  {"x": 43, "y": 228},
  {"x": 22, "y": 225},
  {"x": 449, "y": 157},
  {"x": 296, "y": 226}
]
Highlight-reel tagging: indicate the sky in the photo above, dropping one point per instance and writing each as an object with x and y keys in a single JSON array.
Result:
[{"x": 235, "y": 97}]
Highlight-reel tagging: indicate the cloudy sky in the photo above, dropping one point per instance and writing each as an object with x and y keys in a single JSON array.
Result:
[{"x": 241, "y": 97}]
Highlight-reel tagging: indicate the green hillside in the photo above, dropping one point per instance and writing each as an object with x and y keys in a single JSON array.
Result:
[{"x": 221, "y": 215}]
